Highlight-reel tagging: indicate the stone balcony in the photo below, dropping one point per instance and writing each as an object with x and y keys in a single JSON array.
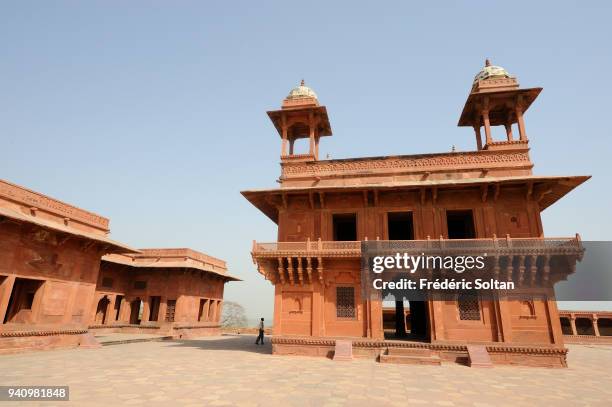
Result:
[{"x": 303, "y": 262}]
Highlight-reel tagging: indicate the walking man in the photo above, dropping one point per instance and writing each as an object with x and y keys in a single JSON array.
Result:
[{"x": 261, "y": 333}]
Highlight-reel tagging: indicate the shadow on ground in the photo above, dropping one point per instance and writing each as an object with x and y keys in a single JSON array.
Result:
[{"x": 240, "y": 343}]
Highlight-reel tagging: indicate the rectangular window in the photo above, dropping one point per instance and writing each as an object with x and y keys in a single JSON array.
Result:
[
  {"x": 345, "y": 226},
  {"x": 399, "y": 226},
  {"x": 345, "y": 302},
  {"x": 460, "y": 224}
]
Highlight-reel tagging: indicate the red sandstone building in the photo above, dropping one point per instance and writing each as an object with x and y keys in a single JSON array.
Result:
[
  {"x": 325, "y": 208},
  {"x": 53, "y": 286},
  {"x": 169, "y": 291}
]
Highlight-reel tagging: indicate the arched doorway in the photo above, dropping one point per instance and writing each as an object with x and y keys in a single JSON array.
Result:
[
  {"x": 605, "y": 326},
  {"x": 101, "y": 310}
]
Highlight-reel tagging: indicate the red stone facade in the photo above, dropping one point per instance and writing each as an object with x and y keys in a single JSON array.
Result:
[
  {"x": 325, "y": 208},
  {"x": 167, "y": 291},
  {"x": 586, "y": 326},
  {"x": 51, "y": 281}
]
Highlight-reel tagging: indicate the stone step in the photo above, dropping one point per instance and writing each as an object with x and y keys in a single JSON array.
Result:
[
  {"x": 408, "y": 351},
  {"x": 411, "y": 360}
]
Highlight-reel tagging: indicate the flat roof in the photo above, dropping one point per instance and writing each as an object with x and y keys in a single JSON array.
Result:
[
  {"x": 173, "y": 258},
  {"x": 49, "y": 224},
  {"x": 563, "y": 184}
]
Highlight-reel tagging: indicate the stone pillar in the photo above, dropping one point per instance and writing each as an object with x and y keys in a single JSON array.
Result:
[
  {"x": 6, "y": 288},
  {"x": 206, "y": 309},
  {"x": 311, "y": 127},
  {"x": 219, "y": 310},
  {"x": 284, "y": 137},
  {"x": 291, "y": 144},
  {"x": 317, "y": 147},
  {"x": 146, "y": 309},
  {"x": 109, "y": 309},
  {"x": 594, "y": 320},
  {"x": 478, "y": 137},
  {"x": 509, "y": 131},
  {"x": 278, "y": 301},
  {"x": 573, "y": 324},
  {"x": 521, "y": 124},
  {"x": 487, "y": 126}
]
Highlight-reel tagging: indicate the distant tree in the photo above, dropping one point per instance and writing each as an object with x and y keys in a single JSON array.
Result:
[{"x": 233, "y": 315}]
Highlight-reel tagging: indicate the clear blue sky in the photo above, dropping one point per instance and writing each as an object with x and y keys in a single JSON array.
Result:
[{"x": 153, "y": 113}]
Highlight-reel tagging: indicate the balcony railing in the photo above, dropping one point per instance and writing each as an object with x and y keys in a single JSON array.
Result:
[
  {"x": 317, "y": 248},
  {"x": 321, "y": 248}
]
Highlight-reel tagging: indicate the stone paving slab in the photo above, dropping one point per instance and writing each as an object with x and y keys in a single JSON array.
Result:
[
  {"x": 233, "y": 371},
  {"x": 106, "y": 339}
]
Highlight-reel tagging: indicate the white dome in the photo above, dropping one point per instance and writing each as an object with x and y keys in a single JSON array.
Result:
[{"x": 301, "y": 91}]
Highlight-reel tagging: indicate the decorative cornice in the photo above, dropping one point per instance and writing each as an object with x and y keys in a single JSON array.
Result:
[
  {"x": 39, "y": 201},
  {"x": 52, "y": 332},
  {"x": 411, "y": 163}
]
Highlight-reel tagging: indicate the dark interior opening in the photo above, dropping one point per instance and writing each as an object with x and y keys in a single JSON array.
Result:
[
  {"x": 399, "y": 225},
  {"x": 584, "y": 326},
  {"x": 345, "y": 226},
  {"x": 101, "y": 310},
  {"x": 460, "y": 224},
  {"x": 19, "y": 309},
  {"x": 419, "y": 320},
  {"x": 154, "y": 307},
  {"x": 566, "y": 326},
  {"x": 409, "y": 324},
  {"x": 605, "y": 326},
  {"x": 135, "y": 311},
  {"x": 118, "y": 300}
]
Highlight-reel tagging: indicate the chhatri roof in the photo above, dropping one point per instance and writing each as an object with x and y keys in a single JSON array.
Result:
[
  {"x": 490, "y": 72},
  {"x": 301, "y": 91}
]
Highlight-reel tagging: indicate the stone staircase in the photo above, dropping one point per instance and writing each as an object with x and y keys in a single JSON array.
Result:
[{"x": 409, "y": 356}]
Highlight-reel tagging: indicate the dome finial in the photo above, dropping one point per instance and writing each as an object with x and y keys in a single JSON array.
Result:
[
  {"x": 487, "y": 62},
  {"x": 302, "y": 83}
]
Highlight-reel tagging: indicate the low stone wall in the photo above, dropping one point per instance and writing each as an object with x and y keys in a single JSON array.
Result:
[
  {"x": 537, "y": 356},
  {"x": 29, "y": 340},
  {"x": 176, "y": 330},
  {"x": 587, "y": 339}
]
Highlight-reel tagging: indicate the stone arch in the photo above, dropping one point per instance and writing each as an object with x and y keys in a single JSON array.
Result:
[{"x": 101, "y": 309}]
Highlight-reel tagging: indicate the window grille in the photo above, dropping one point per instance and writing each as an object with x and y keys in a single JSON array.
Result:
[
  {"x": 469, "y": 308},
  {"x": 345, "y": 302}
]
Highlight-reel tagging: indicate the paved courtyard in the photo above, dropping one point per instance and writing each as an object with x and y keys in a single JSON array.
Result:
[{"x": 232, "y": 371}]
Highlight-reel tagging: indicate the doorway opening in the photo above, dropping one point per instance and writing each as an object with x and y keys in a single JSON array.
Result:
[
  {"x": 345, "y": 226},
  {"x": 154, "y": 308},
  {"x": 136, "y": 307},
  {"x": 101, "y": 310},
  {"x": 406, "y": 320},
  {"x": 118, "y": 301},
  {"x": 460, "y": 224},
  {"x": 21, "y": 301},
  {"x": 400, "y": 226}
]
